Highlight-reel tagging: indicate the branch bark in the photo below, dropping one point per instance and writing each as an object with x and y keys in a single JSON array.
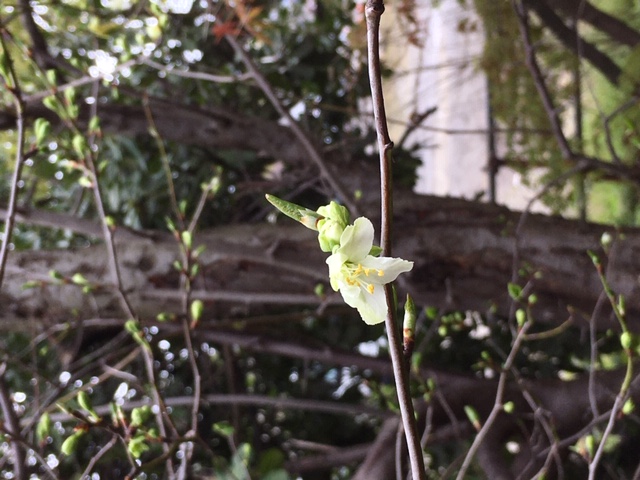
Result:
[
  {"x": 462, "y": 252},
  {"x": 578, "y": 45},
  {"x": 614, "y": 27}
]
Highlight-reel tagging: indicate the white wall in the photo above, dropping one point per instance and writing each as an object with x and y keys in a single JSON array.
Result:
[{"x": 443, "y": 73}]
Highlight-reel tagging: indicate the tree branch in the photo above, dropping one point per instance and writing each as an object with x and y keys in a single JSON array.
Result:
[
  {"x": 615, "y": 28},
  {"x": 569, "y": 38}
]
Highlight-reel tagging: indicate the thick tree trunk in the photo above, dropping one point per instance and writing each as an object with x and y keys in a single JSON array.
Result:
[{"x": 465, "y": 254}]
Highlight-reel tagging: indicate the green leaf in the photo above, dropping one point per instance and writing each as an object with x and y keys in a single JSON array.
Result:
[
  {"x": 31, "y": 284},
  {"x": 515, "y": 291},
  {"x": 51, "y": 77},
  {"x": 223, "y": 428},
  {"x": 85, "y": 401},
  {"x": 41, "y": 129},
  {"x": 5, "y": 69},
  {"x": 53, "y": 104},
  {"x": 54, "y": 274},
  {"x": 79, "y": 144},
  {"x": 137, "y": 446},
  {"x": 140, "y": 415}
]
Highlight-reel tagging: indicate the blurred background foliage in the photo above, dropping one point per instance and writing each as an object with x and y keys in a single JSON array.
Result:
[{"x": 307, "y": 52}]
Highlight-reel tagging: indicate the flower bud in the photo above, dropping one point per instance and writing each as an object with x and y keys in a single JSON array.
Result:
[{"x": 330, "y": 227}]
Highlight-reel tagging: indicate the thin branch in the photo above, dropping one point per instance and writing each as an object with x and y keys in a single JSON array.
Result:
[
  {"x": 568, "y": 37},
  {"x": 497, "y": 406},
  {"x": 299, "y": 133},
  {"x": 12, "y": 426},
  {"x": 209, "y": 77},
  {"x": 304, "y": 404},
  {"x": 617, "y": 405},
  {"x": 373, "y": 11},
  {"x": 96, "y": 458},
  {"x": 17, "y": 172}
]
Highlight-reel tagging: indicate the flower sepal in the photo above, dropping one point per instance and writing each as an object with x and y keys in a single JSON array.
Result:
[{"x": 306, "y": 217}]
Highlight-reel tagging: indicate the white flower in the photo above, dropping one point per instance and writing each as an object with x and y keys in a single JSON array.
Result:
[{"x": 360, "y": 276}]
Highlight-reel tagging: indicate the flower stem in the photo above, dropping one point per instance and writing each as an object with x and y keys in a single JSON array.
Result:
[{"x": 373, "y": 11}]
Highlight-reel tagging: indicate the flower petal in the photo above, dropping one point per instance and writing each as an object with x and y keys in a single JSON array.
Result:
[
  {"x": 388, "y": 268},
  {"x": 336, "y": 262},
  {"x": 373, "y": 308},
  {"x": 357, "y": 239}
]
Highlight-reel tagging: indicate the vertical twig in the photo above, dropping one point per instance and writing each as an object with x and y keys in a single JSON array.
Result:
[
  {"x": 12, "y": 427},
  {"x": 127, "y": 308},
  {"x": 373, "y": 11},
  {"x": 497, "y": 406},
  {"x": 10, "y": 419},
  {"x": 9, "y": 221}
]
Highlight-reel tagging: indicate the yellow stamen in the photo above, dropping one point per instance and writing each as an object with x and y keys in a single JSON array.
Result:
[{"x": 370, "y": 288}]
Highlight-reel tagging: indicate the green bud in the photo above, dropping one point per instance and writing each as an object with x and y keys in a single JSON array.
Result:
[
  {"x": 131, "y": 326},
  {"x": 140, "y": 415},
  {"x": 473, "y": 416},
  {"x": 628, "y": 407},
  {"x": 223, "y": 428},
  {"x": 85, "y": 401},
  {"x": 626, "y": 340},
  {"x": 196, "y": 309},
  {"x": 5, "y": 69},
  {"x": 515, "y": 291},
  {"x": 52, "y": 103},
  {"x": 94, "y": 124},
  {"x": 41, "y": 128},
  {"x": 182, "y": 206},
  {"x": 51, "y": 77},
  {"x": 137, "y": 446},
  {"x": 70, "y": 95},
  {"x": 307, "y": 217},
  {"x": 55, "y": 275},
  {"x": 44, "y": 427},
  {"x": 79, "y": 279},
  {"x": 187, "y": 239},
  {"x": 508, "y": 407},
  {"x": 79, "y": 145},
  {"x": 85, "y": 182},
  {"x": 590, "y": 445},
  {"x": 31, "y": 284},
  {"x": 409, "y": 322},
  {"x": 70, "y": 445},
  {"x": 521, "y": 317},
  {"x": 330, "y": 227},
  {"x": 622, "y": 309}
]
